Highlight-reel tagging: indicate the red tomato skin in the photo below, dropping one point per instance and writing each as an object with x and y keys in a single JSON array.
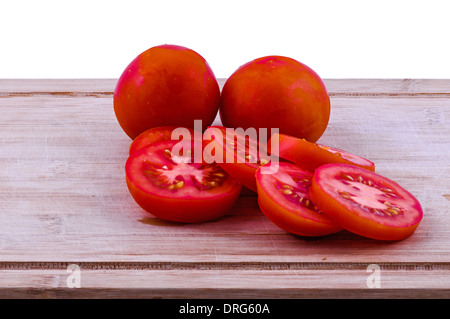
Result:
[
  {"x": 166, "y": 85},
  {"x": 352, "y": 221},
  {"x": 184, "y": 210},
  {"x": 276, "y": 92},
  {"x": 310, "y": 155},
  {"x": 291, "y": 223}
]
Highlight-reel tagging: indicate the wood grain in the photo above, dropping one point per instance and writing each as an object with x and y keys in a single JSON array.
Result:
[{"x": 63, "y": 200}]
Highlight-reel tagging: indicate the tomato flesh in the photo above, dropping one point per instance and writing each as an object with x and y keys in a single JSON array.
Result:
[
  {"x": 174, "y": 187},
  {"x": 242, "y": 154},
  {"x": 155, "y": 134},
  {"x": 284, "y": 198},
  {"x": 365, "y": 202},
  {"x": 312, "y": 155}
]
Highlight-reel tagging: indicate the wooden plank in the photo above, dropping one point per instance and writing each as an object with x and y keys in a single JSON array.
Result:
[
  {"x": 70, "y": 87},
  {"x": 63, "y": 200},
  {"x": 348, "y": 87},
  {"x": 251, "y": 281},
  {"x": 388, "y": 87}
]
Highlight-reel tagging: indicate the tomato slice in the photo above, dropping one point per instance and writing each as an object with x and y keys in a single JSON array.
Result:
[
  {"x": 156, "y": 134},
  {"x": 284, "y": 198},
  {"x": 312, "y": 155},
  {"x": 242, "y": 154},
  {"x": 365, "y": 202},
  {"x": 173, "y": 186}
]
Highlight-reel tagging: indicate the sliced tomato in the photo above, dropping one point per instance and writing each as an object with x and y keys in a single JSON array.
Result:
[
  {"x": 365, "y": 202},
  {"x": 312, "y": 155},
  {"x": 284, "y": 198},
  {"x": 156, "y": 134},
  {"x": 170, "y": 185},
  {"x": 240, "y": 154}
]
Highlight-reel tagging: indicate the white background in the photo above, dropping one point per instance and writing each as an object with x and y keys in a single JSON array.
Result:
[{"x": 338, "y": 39}]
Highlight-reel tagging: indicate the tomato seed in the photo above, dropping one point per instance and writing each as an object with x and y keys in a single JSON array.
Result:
[
  {"x": 219, "y": 174},
  {"x": 179, "y": 184},
  {"x": 295, "y": 194},
  {"x": 345, "y": 195},
  {"x": 213, "y": 184},
  {"x": 392, "y": 211},
  {"x": 347, "y": 177},
  {"x": 167, "y": 153},
  {"x": 175, "y": 186},
  {"x": 150, "y": 173}
]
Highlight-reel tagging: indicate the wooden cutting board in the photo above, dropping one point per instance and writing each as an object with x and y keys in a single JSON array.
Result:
[{"x": 67, "y": 219}]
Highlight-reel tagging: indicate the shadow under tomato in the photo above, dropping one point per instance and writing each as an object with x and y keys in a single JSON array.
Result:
[
  {"x": 159, "y": 222},
  {"x": 154, "y": 221},
  {"x": 346, "y": 238}
]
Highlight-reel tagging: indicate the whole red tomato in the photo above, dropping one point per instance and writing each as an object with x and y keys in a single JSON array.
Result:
[
  {"x": 167, "y": 85},
  {"x": 276, "y": 92}
]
